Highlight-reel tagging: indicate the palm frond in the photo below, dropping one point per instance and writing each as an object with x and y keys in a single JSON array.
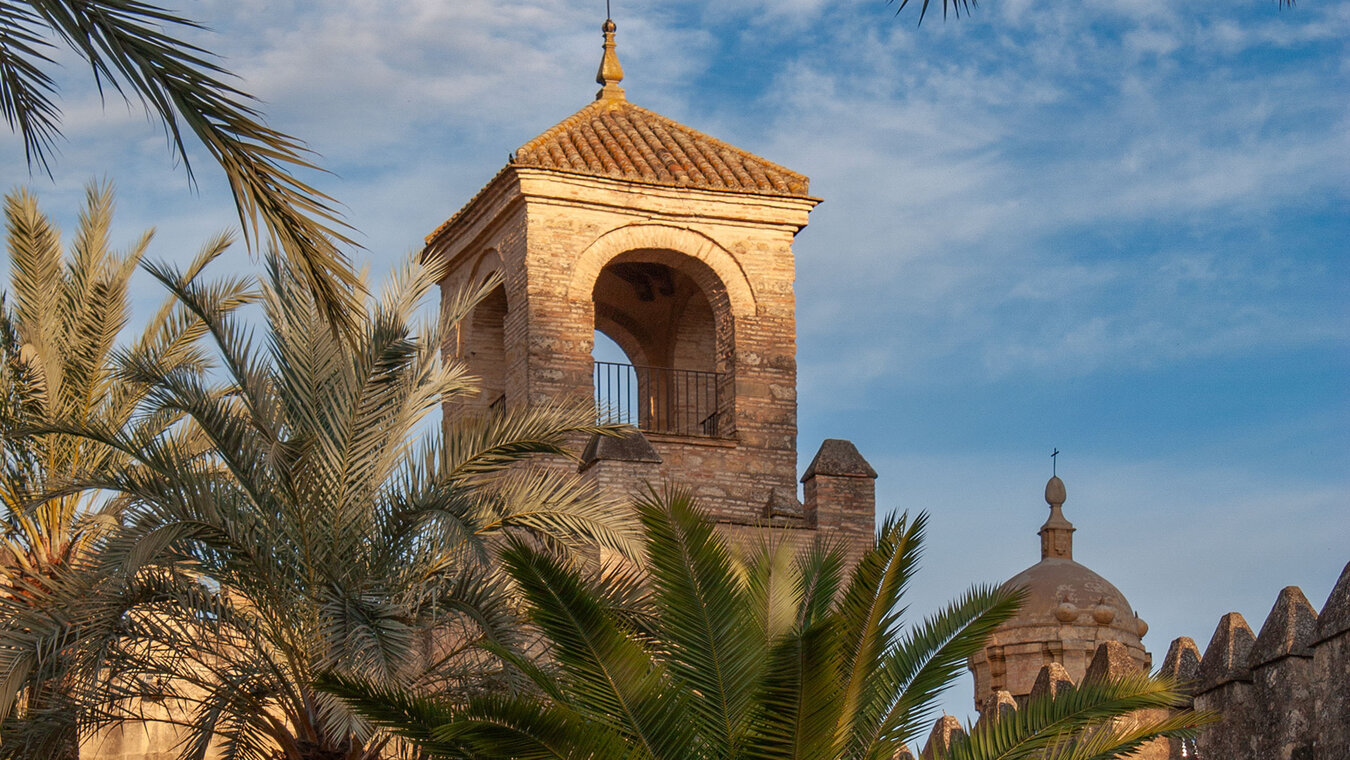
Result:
[
  {"x": 492, "y": 442},
  {"x": 928, "y": 657},
  {"x": 705, "y": 622},
  {"x": 1083, "y": 722},
  {"x": 555, "y": 506},
  {"x": 612, "y": 679},
  {"x": 25, "y": 89},
  {"x": 956, "y": 6},
  {"x": 419, "y": 719},
  {"x": 797, "y": 707},
  {"x": 868, "y": 615},
  {"x": 772, "y": 582},
  {"x": 128, "y": 43}
]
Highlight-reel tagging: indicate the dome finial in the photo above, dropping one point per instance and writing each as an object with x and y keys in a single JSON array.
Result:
[
  {"x": 1057, "y": 532},
  {"x": 610, "y": 73}
]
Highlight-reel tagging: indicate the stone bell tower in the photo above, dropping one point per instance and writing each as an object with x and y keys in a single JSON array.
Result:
[{"x": 678, "y": 247}]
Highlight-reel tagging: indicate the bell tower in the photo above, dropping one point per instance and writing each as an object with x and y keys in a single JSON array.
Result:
[{"x": 678, "y": 247}]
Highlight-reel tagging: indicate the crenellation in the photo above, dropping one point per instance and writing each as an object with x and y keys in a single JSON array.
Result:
[
  {"x": 1226, "y": 659},
  {"x": 1330, "y": 674},
  {"x": 945, "y": 731},
  {"x": 999, "y": 706},
  {"x": 1225, "y": 687},
  {"x": 1182, "y": 663},
  {"x": 1289, "y": 629},
  {"x": 1051, "y": 681},
  {"x": 1110, "y": 662},
  {"x": 1283, "y": 694}
]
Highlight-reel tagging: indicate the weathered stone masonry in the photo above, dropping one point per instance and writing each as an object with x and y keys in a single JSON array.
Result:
[{"x": 1283, "y": 694}]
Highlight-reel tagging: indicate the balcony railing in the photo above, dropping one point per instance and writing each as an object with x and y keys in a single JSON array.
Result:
[{"x": 660, "y": 400}]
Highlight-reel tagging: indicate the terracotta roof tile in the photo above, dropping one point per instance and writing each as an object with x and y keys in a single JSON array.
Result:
[{"x": 614, "y": 138}]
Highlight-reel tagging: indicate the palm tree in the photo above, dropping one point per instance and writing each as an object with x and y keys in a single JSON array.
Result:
[
  {"x": 327, "y": 524},
  {"x": 782, "y": 657},
  {"x": 61, "y": 368},
  {"x": 130, "y": 46}
]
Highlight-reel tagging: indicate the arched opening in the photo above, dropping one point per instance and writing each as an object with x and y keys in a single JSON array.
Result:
[
  {"x": 485, "y": 352},
  {"x": 668, "y": 314}
]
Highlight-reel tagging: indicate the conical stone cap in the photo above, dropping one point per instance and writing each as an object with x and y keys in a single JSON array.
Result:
[
  {"x": 1226, "y": 657},
  {"x": 940, "y": 740},
  {"x": 1111, "y": 661},
  {"x": 1289, "y": 630},
  {"x": 1182, "y": 663},
  {"x": 1335, "y": 617},
  {"x": 1050, "y": 682}
]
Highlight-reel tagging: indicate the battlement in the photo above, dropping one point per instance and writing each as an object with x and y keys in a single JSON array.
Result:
[
  {"x": 1110, "y": 660},
  {"x": 1284, "y": 693}
]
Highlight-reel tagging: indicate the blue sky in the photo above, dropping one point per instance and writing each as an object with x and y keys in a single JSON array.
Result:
[{"x": 1117, "y": 228}]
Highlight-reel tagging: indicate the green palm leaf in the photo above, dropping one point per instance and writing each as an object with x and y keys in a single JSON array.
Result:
[
  {"x": 129, "y": 43},
  {"x": 868, "y": 614},
  {"x": 1094, "y": 721},
  {"x": 615, "y": 682},
  {"x": 706, "y": 630}
]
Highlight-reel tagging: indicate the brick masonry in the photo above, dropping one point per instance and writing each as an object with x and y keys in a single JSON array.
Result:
[{"x": 571, "y": 252}]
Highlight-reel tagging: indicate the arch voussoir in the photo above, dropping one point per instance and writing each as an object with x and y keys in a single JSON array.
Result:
[{"x": 681, "y": 240}]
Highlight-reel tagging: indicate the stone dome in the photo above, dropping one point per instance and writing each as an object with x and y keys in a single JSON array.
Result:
[
  {"x": 1069, "y": 611},
  {"x": 1061, "y": 591}
]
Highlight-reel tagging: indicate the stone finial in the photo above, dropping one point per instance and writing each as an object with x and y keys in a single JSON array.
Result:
[
  {"x": 1051, "y": 681},
  {"x": 1335, "y": 617},
  {"x": 633, "y": 447},
  {"x": 1055, "y": 495},
  {"x": 1289, "y": 629},
  {"x": 1057, "y": 532},
  {"x": 839, "y": 458},
  {"x": 610, "y": 73},
  {"x": 1227, "y": 655},
  {"x": 1182, "y": 663},
  {"x": 1103, "y": 613},
  {"x": 1111, "y": 661},
  {"x": 903, "y": 754},
  {"x": 940, "y": 740}
]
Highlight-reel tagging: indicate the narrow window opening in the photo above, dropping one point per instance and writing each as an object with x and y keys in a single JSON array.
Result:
[{"x": 486, "y": 352}]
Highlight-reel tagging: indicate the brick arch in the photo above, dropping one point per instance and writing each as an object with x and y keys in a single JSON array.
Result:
[
  {"x": 633, "y": 237},
  {"x": 487, "y": 263}
]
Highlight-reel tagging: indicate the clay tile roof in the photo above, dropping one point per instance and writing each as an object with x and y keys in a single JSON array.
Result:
[{"x": 616, "y": 139}]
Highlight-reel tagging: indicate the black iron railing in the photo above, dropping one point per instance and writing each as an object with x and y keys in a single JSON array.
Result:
[{"x": 660, "y": 400}]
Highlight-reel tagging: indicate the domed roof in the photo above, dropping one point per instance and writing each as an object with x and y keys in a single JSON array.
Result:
[
  {"x": 1061, "y": 591},
  {"x": 1068, "y": 613}
]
